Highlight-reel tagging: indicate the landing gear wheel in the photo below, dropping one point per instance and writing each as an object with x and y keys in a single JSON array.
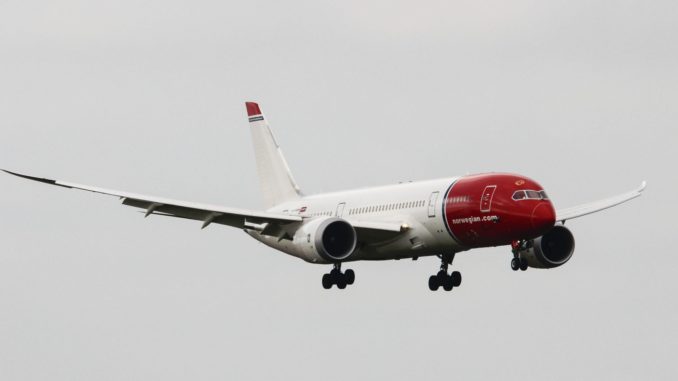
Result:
[
  {"x": 447, "y": 283},
  {"x": 456, "y": 278},
  {"x": 442, "y": 278},
  {"x": 433, "y": 283},
  {"x": 327, "y": 281},
  {"x": 336, "y": 277},
  {"x": 515, "y": 264},
  {"x": 350, "y": 276},
  {"x": 341, "y": 281},
  {"x": 523, "y": 264}
]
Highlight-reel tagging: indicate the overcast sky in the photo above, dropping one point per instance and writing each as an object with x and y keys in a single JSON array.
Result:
[{"x": 149, "y": 98}]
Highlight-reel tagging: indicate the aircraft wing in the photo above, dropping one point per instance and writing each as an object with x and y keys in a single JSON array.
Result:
[
  {"x": 377, "y": 231},
  {"x": 264, "y": 222},
  {"x": 596, "y": 206}
]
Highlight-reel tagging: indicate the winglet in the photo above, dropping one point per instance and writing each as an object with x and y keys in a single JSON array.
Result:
[
  {"x": 643, "y": 185},
  {"x": 252, "y": 109}
]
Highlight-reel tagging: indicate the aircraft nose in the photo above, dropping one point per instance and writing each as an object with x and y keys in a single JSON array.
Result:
[{"x": 543, "y": 216}]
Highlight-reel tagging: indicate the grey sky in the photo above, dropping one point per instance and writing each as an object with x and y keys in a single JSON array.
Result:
[{"x": 148, "y": 97}]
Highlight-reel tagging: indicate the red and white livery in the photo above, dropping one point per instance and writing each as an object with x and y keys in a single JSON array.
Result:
[{"x": 436, "y": 217}]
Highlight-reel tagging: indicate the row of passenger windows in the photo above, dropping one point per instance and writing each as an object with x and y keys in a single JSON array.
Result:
[
  {"x": 530, "y": 195},
  {"x": 458, "y": 199},
  {"x": 321, "y": 214},
  {"x": 387, "y": 207}
]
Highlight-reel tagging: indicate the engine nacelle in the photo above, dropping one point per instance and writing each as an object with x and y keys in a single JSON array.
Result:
[
  {"x": 331, "y": 238},
  {"x": 551, "y": 250}
]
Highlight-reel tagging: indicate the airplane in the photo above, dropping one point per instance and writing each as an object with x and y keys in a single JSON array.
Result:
[{"x": 410, "y": 220}]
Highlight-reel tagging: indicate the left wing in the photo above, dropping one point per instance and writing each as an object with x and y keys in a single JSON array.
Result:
[
  {"x": 264, "y": 222},
  {"x": 596, "y": 206}
]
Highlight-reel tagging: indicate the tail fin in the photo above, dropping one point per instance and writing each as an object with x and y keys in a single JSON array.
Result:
[{"x": 277, "y": 183}]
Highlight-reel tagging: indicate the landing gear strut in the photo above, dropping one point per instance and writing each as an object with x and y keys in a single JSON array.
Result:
[
  {"x": 518, "y": 262},
  {"x": 442, "y": 278},
  {"x": 337, "y": 277}
]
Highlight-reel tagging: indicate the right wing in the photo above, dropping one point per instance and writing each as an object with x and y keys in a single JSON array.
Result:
[
  {"x": 581, "y": 210},
  {"x": 264, "y": 222}
]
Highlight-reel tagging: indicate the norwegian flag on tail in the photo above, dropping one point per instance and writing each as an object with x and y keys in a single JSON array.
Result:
[{"x": 254, "y": 112}]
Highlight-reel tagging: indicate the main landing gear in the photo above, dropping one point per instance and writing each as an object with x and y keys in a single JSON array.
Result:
[
  {"x": 337, "y": 277},
  {"x": 442, "y": 278},
  {"x": 518, "y": 263}
]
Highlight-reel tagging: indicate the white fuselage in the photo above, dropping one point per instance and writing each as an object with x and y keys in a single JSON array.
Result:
[{"x": 417, "y": 204}]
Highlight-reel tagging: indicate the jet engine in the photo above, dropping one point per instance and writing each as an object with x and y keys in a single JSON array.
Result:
[
  {"x": 331, "y": 238},
  {"x": 551, "y": 250}
]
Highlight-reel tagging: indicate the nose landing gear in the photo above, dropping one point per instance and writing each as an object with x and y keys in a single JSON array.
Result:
[
  {"x": 336, "y": 277},
  {"x": 518, "y": 263},
  {"x": 442, "y": 278}
]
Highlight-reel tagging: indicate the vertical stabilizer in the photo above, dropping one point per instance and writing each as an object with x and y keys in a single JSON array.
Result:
[{"x": 277, "y": 183}]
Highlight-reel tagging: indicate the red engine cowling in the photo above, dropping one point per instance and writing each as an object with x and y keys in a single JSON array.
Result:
[{"x": 551, "y": 250}]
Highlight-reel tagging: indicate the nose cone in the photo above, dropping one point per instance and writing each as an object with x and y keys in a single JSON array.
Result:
[{"x": 543, "y": 216}]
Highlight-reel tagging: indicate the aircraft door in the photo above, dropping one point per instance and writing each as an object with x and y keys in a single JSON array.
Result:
[
  {"x": 340, "y": 209},
  {"x": 486, "y": 199},
  {"x": 432, "y": 204}
]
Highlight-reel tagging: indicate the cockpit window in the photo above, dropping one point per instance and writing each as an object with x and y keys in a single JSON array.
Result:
[
  {"x": 529, "y": 195},
  {"x": 519, "y": 195},
  {"x": 533, "y": 195}
]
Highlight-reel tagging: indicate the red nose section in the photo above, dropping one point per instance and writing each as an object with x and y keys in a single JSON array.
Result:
[{"x": 543, "y": 217}]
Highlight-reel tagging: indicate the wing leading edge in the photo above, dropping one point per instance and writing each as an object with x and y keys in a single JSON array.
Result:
[
  {"x": 581, "y": 210},
  {"x": 265, "y": 222},
  {"x": 272, "y": 224}
]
